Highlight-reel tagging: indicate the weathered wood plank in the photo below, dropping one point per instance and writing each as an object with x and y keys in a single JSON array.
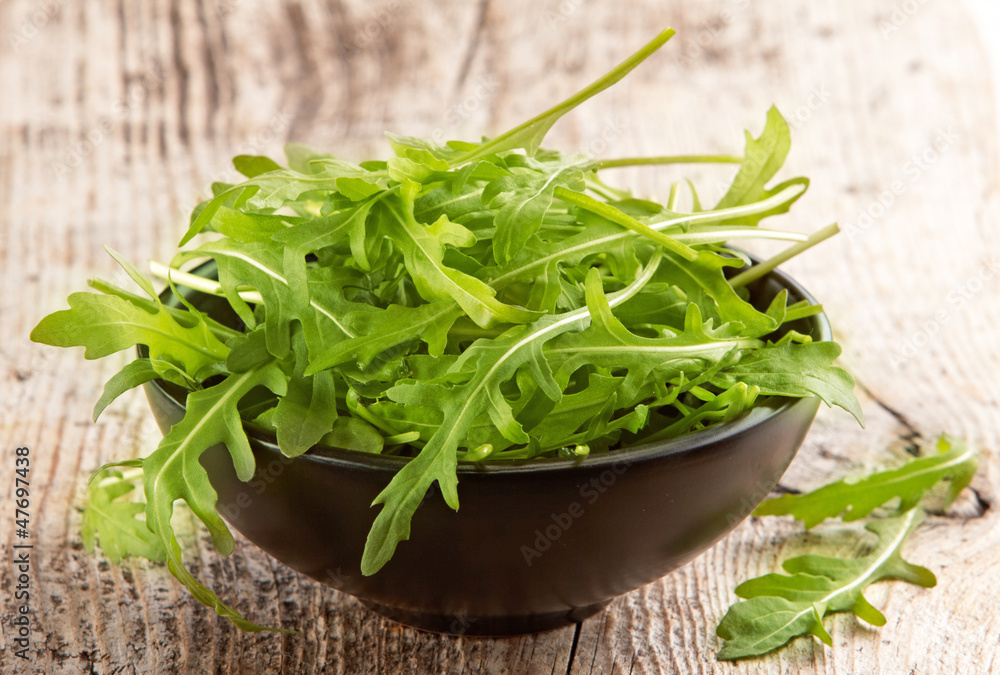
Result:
[{"x": 117, "y": 115}]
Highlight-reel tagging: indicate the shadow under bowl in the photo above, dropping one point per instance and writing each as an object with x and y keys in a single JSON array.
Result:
[{"x": 536, "y": 544}]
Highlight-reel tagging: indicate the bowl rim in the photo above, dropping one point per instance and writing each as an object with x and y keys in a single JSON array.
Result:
[{"x": 767, "y": 408}]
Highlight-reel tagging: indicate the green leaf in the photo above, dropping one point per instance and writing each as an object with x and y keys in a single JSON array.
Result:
[
  {"x": 608, "y": 344},
  {"x": 380, "y": 330},
  {"x": 246, "y": 227},
  {"x": 115, "y": 522},
  {"x": 261, "y": 266},
  {"x": 105, "y": 324},
  {"x": 173, "y": 471},
  {"x": 852, "y": 500},
  {"x": 352, "y": 433},
  {"x": 424, "y": 253},
  {"x": 603, "y": 237},
  {"x": 254, "y": 165},
  {"x": 796, "y": 370},
  {"x": 489, "y": 363},
  {"x": 521, "y": 201},
  {"x": 763, "y": 158},
  {"x": 621, "y": 218},
  {"x": 308, "y": 410},
  {"x": 134, "y": 273},
  {"x": 781, "y": 607},
  {"x": 135, "y": 373}
]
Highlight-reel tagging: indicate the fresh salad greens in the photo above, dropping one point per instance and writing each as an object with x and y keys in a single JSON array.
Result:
[
  {"x": 466, "y": 302},
  {"x": 780, "y": 607}
]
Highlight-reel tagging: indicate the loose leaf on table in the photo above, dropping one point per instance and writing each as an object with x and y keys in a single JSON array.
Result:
[
  {"x": 781, "y": 607},
  {"x": 113, "y": 521},
  {"x": 852, "y": 500}
]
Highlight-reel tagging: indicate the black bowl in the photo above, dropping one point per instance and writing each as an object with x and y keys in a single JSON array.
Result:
[{"x": 536, "y": 544}]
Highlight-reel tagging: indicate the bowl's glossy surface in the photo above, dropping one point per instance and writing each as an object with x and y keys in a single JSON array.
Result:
[{"x": 535, "y": 545}]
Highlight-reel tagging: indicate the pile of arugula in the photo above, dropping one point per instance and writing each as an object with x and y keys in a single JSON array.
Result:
[{"x": 467, "y": 302}]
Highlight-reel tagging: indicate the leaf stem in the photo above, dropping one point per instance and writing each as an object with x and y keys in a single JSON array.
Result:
[
  {"x": 220, "y": 331},
  {"x": 528, "y": 135},
  {"x": 668, "y": 159},
  {"x": 757, "y": 271},
  {"x": 193, "y": 281},
  {"x": 621, "y": 218}
]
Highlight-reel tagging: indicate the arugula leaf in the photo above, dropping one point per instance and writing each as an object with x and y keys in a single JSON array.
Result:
[
  {"x": 424, "y": 253},
  {"x": 796, "y": 370},
  {"x": 493, "y": 364},
  {"x": 173, "y": 471},
  {"x": 308, "y": 410},
  {"x": 105, "y": 324},
  {"x": 761, "y": 161},
  {"x": 779, "y": 607},
  {"x": 522, "y": 201},
  {"x": 135, "y": 373},
  {"x": 116, "y": 522},
  {"x": 458, "y": 302},
  {"x": 853, "y": 500}
]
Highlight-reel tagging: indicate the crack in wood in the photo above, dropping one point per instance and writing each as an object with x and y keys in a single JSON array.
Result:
[
  {"x": 572, "y": 648},
  {"x": 470, "y": 52},
  {"x": 912, "y": 435}
]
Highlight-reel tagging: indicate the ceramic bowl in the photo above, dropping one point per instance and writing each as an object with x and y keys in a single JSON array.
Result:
[{"x": 536, "y": 544}]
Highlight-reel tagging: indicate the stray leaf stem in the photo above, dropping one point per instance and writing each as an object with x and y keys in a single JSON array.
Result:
[
  {"x": 669, "y": 159},
  {"x": 219, "y": 330},
  {"x": 167, "y": 273},
  {"x": 625, "y": 220},
  {"x": 757, "y": 271},
  {"x": 529, "y": 134}
]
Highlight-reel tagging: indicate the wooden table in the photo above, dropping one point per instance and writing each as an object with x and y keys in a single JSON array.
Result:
[{"x": 116, "y": 116}]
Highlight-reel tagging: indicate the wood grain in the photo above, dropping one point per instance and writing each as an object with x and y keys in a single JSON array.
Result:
[{"x": 117, "y": 115}]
